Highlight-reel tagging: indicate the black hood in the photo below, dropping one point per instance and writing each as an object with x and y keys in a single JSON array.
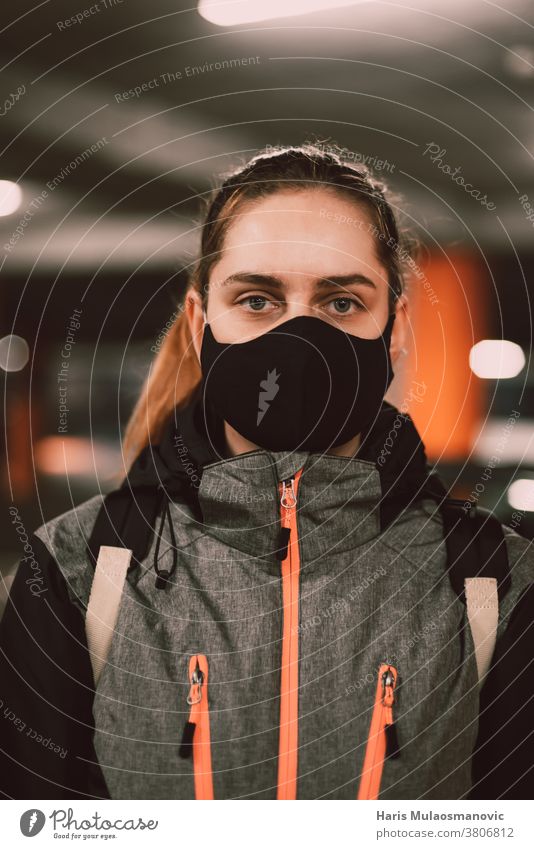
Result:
[{"x": 192, "y": 437}]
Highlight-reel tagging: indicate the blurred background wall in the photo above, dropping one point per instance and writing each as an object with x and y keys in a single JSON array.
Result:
[{"x": 118, "y": 116}]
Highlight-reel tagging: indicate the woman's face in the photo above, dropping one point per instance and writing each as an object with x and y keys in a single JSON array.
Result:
[{"x": 307, "y": 252}]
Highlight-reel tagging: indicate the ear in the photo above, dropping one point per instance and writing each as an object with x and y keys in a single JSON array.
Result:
[
  {"x": 400, "y": 325},
  {"x": 193, "y": 311}
]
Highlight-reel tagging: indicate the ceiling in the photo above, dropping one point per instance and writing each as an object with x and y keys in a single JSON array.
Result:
[{"x": 385, "y": 80}]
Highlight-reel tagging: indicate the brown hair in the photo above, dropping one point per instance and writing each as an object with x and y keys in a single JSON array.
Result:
[{"x": 175, "y": 373}]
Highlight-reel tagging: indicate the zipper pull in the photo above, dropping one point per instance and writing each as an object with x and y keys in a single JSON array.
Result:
[
  {"x": 288, "y": 501},
  {"x": 388, "y": 699},
  {"x": 292, "y": 496},
  {"x": 193, "y": 698},
  {"x": 195, "y": 691}
]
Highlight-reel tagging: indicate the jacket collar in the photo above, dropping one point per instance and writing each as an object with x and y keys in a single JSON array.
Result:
[{"x": 237, "y": 498}]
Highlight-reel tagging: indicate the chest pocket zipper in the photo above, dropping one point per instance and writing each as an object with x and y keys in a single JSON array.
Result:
[
  {"x": 196, "y": 734},
  {"x": 382, "y": 742}
]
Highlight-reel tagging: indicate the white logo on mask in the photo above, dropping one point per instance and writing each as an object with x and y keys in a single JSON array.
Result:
[{"x": 268, "y": 390}]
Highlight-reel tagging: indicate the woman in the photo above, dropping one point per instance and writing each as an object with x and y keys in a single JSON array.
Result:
[{"x": 287, "y": 628}]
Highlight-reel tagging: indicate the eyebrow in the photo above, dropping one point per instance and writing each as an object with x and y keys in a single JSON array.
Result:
[{"x": 254, "y": 277}]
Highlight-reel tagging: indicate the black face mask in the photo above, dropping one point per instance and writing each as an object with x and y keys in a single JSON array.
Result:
[{"x": 305, "y": 385}]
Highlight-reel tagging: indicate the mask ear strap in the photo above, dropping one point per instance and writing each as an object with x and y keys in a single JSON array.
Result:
[{"x": 204, "y": 316}]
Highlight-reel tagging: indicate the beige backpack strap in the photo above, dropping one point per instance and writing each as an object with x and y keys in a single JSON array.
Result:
[
  {"x": 482, "y": 600},
  {"x": 104, "y": 601}
]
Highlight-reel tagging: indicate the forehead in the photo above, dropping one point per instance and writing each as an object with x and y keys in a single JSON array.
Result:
[{"x": 313, "y": 231}]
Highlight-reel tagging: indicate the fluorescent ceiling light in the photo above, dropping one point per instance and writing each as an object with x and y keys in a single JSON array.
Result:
[
  {"x": 521, "y": 495},
  {"x": 10, "y": 197},
  {"x": 496, "y": 359},
  {"x": 226, "y": 13}
]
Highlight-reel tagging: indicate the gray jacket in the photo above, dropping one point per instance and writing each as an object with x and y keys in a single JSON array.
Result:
[{"x": 295, "y": 653}]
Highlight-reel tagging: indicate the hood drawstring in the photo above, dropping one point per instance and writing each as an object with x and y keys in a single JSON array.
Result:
[{"x": 163, "y": 575}]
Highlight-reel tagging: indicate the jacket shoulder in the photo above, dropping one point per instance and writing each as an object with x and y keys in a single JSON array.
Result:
[
  {"x": 416, "y": 534},
  {"x": 65, "y": 537}
]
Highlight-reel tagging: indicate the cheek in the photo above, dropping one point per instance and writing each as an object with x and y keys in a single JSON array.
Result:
[
  {"x": 226, "y": 326},
  {"x": 372, "y": 322}
]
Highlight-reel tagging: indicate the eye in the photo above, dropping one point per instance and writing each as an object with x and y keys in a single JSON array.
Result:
[
  {"x": 255, "y": 302},
  {"x": 343, "y": 305}
]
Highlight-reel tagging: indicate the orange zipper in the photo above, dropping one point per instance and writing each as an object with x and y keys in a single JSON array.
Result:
[
  {"x": 290, "y": 566},
  {"x": 382, "y": 741},
  {"x": 196, "y": 736}
]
